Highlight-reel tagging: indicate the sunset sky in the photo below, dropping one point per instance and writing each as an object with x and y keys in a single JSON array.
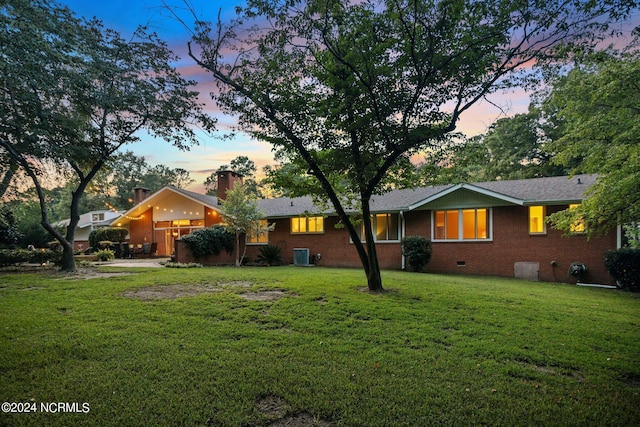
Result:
[{"x": 125, "y": 15}]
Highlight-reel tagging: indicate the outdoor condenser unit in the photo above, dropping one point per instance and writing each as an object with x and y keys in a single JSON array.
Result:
[{"x": 300, "y": 256}]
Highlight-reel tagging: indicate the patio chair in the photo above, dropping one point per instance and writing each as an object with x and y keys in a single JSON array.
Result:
[{"x": 126, "y": 251}]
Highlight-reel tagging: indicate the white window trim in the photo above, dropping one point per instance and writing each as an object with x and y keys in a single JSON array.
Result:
[
  {"x": 461, "y": 239},
  {"x": 296, "y": 233},
  {"x": 544, "y": 222},
  {"x": 382, "y": 242}
]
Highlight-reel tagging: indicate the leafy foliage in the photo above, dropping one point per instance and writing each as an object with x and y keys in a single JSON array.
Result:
[
  {"x": 105, "y": 255},
  {"x": 351, "y": 90},
  {"x": 209, "y": 241},
  {"x": 417, "y": 251},
  {"x": 10, "y": 257},
  {"x": 241, "y": 214},
  {"x": 598, "y": 103},
  {"x": 112, "y": 234},
  {"x": 9, "y": 233},
  {"x": 624, "y": 265},
  {"x": 270, "y": 255},
  {"x": 72, "y": 93}
]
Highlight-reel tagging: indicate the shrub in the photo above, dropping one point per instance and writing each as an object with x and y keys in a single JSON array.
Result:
[
  {"x": 624, "y": 266},
  {"x": 13, "y": 256},
  {"x": 183, "y": 265},
  {"x": 270, "y": 255},
  {"x": 44, "y": 256},
  {"x": 417, "y": 251},
  {"x": 112, "y": 234},
  {"x": 209, "y": 241},
  {"x": 105, "y": 255},
  {"x": 10, "y": 257}
]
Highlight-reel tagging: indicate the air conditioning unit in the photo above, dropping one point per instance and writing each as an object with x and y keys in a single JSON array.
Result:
[{"x": 300, "y": 256}]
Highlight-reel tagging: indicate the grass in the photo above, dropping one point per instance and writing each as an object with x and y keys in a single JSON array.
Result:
[{"x": 434, "y": 350}]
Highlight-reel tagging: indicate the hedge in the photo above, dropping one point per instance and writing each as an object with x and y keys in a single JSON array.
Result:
[{"x": 624, "y": 265}]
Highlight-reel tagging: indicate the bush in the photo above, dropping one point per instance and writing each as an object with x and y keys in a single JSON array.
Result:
[
  {"x": 13, "y": 256},
  {"x": 209, "y": 241},
  {"x": 10, "y": 257},
  {"x": 44, "y": 256},
  {"x": 111, "y": 234},
  {"x": 270, "y": 255},
  {"x": 417, "y": 251},
  {"x": 183, "y": 265},
  {"x": 624, "y": 266},
  {"x": 105, "y": 255}
]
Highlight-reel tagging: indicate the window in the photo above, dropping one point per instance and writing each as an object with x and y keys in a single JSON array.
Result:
[
  {"x": 307, "y": 225},
  {"x": 578, "y": 226},
  {"x": 536, "y": 220},
  {"x": 385, "y": 228},
  {"x": 259, "y": 234},
  {"x": 97, "y": 217},
  {"x": 461, "y": 224}
]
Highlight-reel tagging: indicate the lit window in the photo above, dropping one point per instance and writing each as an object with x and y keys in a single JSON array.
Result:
[
  {"x": 385, "y": 227},
  {"x": 307, "y": 225},
  {"x": 536, "y": 220},
  {"x": 578, "y": 225},
  {"x": 259, "y": 234},
  {"x": 461, "y": 224}
]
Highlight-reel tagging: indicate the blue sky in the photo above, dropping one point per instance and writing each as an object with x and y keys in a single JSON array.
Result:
[{"x": 200, "y": 161}]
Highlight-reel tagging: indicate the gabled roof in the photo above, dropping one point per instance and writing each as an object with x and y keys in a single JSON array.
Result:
[
  {"x": 162, "y": 194},
  {"x": 550, "y": 190},
  {"x": 524, "y": 192},
  {"x": 86, "y": 219},
  {"x": 537, "y": 191}
]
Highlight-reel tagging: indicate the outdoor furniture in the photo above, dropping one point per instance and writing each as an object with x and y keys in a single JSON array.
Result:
[
  {"x": 136, "y": 250},
  {"x": 126, "y": 251},
  {"x": 117, "y": 249},
  {"x": 149, "y": 249}
]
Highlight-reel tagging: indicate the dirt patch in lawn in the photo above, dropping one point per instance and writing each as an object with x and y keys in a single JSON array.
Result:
[
  {"x": 90, "y": 273},
  {"x": 263, "y": 295},
  {"x": 277, "y": 411},
  {"x": 159, "y": 292}
]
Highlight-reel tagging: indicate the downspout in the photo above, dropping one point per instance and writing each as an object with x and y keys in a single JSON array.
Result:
[{"x": 402, "y": 233}]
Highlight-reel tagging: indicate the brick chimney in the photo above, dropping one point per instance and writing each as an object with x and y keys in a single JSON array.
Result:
[
  {"x": 139, "y": 194},
  {"x": 227, "y": 180}
]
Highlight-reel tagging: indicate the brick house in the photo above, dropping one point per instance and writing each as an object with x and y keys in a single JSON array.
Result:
[{"x": 490, "y": 228}]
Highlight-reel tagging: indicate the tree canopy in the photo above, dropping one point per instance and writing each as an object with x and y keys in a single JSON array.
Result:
[
  {"x": 351, "y": 89},
  {"x": 599, "y": 104},
  {"x": 73, "y": 92},
  {"x": 240, "y": 213}
]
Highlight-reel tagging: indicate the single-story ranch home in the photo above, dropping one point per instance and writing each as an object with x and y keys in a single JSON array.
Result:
[{"x": 488, "y": 228}]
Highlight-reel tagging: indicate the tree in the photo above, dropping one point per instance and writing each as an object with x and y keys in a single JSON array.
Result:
[
  {"x": 72, "y": 93},
  {"x": 240, "y": 213},
  {"x": 349, "y": 89},
  {"x": 514, "y": 147},
  {"x": 599, "y": 100},
  {"x": 125, "y": 171}
]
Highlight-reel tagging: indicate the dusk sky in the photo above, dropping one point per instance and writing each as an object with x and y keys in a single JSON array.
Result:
[{"x": 125, "y": 15}]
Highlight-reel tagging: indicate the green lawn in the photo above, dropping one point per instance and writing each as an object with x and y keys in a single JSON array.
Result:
[{"x": 434, "y": 350}]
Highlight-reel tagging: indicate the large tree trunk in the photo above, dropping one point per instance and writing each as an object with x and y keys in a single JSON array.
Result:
[{"x": 374, "y": 279}]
